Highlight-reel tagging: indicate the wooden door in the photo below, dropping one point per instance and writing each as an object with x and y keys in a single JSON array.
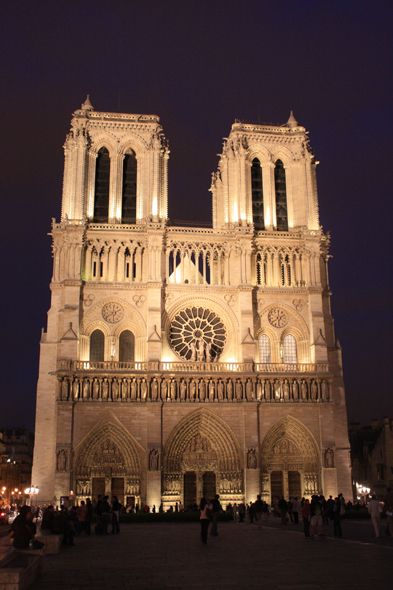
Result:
[
  {"x": 118, "y": 488},
  {"x": 209, "y": 485},
  {"x": 276, "y": 483},
  {"x": 190, "y": 488},
  {"x": 98, "y": 487},
  {"x": 294, "y": 486}
]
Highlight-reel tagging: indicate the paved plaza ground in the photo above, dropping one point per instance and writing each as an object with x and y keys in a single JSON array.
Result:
[{"x": 160, "y": 556}]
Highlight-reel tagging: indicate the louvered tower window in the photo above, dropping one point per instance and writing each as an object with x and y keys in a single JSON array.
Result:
[
  {"x": 257, "y": 195},
  {"x": 128, "y": 210},
  {"x": 97, "y": 342},
  {"x": 101, "y": 195},
  {"x": 281, "y": 196},
  {"x": 126, "y": 347}
]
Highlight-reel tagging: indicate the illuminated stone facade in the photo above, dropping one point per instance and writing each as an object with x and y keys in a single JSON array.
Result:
[{"x": 182, "y": 361}]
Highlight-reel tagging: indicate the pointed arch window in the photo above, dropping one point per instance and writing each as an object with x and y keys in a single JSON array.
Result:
[
  {"x": 264, "y": 349},
  {"x": 257, "y": 195},
  {"x": 281, "y": 196},
  {"x": 290, "y": 351},
  {"x": 128, "y": 209},
  {"x": 101, "y": 193},
  {"x": 126, "y": 347},
  {"x": 97, "y": 344}
]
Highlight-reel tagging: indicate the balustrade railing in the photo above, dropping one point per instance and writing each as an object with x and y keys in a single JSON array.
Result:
[{"x": 191, "y": 367}]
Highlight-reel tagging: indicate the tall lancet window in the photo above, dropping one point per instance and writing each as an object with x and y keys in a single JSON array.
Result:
[
  {"x": 257, "y": 195},
  {"x": 281, "y": 196},
  {"x": 128, "y": 209},
  {"x": 264, "y": 349},
  {"x": 126, "y": 346},
  {"x": 97, "y": 345},
  {"x": 101, "y": 195}
]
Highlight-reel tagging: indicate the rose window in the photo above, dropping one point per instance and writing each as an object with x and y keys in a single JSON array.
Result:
[{"x": 197, "y": 334}]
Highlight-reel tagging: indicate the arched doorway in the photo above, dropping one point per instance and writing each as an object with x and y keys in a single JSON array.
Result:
[
  {"x": 202, "y": 458},
  {"x": 290, "y": 464},
  {"x": 107, "y": 463}
]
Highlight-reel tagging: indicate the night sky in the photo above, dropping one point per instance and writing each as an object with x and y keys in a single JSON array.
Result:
[{"x": 198, "y": 66}]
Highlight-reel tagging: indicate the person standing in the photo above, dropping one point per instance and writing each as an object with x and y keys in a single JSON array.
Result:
[
  {"x": 81, "y": 516},
  {"x": 336, "y": 518},
  {"x": 204, "y": 519},
  {"x": 295, "y": 509},
  {"x": 116, "y": 506},
  {"x": 306, "y": 513},
  {"x": 216, "y": 507},
  {"x": 388, "y": 501},
  {"x": 259, "y": 510},
  {"x": 316, "y": 516},
  {"x": 375, "y": 509},
  {"x": 89, "y": 515},
  {"x": 283, "y": 507}
]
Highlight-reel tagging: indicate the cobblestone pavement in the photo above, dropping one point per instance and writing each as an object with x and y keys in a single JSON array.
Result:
[{"x": 171, "y": 556}]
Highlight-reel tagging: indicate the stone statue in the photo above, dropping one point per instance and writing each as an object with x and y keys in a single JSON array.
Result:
[
  {"x": 115, "y": 390},
  {"x": 183, "y": 390},
  {"x": 249, "y": 390},
  {"x": 75, "y": 389},
  {"x": 220, "y": 391},
  {"x": 230, "y": 390},
  {"x": 209, "y": 352},
  {"x": 154, "y": 460},
  {"x": 211, "y": 390},
  {"x": 325, "y": 391},
  {"x": 133, "y": 389},
  {"x": 164, "y": 389},
  {"x": 251, "y": 459},
  {"x": 201, "y": 351},
  {"x": 285, "y": 389},
  {"x": 259, "y": 390},
  {"x": 154, "y": 389},
  {"x": 277, "y": 389},
  {"x": 62, "y": 460},
  {"x": 143, "y": 390},
  {"x": 295, "y": 390},
  {"x": 202, "y": 390},
  {"x": 193, "y": 351},
  {"x": 105, "y": 389},
  {"x": 64, "y": 389},
  {"x": 239, "y": 390},
  {"x": 96, "y": 389},
  {"x": 314, "y": 390},
  {"x": 124, "y": 389},
  {"x": 304, "y": 390},
  {"x": 86, "y": 389},
  {"x": 329, "y": 458},
  {"x": 192, "y": 390},
  {"x": 173, "y": 390},
  {"x": 267, "y": 390}
]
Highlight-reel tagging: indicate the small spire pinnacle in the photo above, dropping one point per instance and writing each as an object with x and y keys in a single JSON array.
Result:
[
  {"x": 292, "y": 123},
  {"x": 87, "y": 106}
]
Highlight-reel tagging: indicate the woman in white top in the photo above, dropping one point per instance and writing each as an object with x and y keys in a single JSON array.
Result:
[
  {"x": 375, "y": 509},
  {"x": 204, "y": 519}
]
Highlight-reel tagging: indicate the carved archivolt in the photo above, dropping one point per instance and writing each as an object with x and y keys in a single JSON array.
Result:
[
  {"x": 289, "y": 443},
  {"x": 203, "y": 439},
  {"x": 109, "y": 450}
]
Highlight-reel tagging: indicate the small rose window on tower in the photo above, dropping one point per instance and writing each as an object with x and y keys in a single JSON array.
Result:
[{"x": 101, "y": 193}]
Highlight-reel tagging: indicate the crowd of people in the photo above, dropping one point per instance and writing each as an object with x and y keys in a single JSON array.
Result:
[{"x": 71, "y": 521}]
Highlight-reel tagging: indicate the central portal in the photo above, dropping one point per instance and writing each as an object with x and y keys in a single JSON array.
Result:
[{"x": 190, "y": 488}]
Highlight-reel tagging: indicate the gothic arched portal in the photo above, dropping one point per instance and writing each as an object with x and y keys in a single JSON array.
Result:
[
  {"x": 290, "y": 464},
  {"x": 202, "y": 457},
  {"x": 107, "y": 462}
]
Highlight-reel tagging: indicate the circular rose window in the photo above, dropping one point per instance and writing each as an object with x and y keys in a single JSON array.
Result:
[{"x": 197, "y": 334}]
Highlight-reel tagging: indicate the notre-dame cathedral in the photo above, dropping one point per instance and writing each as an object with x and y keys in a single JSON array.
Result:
[{"x": 180, "y": 362}]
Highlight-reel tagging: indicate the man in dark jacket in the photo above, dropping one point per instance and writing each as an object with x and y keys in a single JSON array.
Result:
[
  {"x": 216, "y": 509},
  {"x": 48, "y": 519},
  {"x": 283, "y": 507},
  {"x": 61, "y": 525}
]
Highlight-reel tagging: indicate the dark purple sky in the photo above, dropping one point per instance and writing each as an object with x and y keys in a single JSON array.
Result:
[{"x": 199, "y": 65}]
